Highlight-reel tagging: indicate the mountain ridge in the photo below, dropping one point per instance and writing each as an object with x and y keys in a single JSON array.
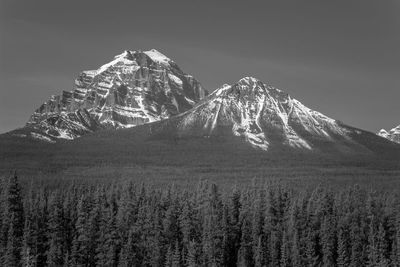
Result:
[
  {"x": 146, "y": 87},
  {"x": 246, "y": 129},
  {"x": 260, "y": 114},
  {"x": 136, "y": 87}
]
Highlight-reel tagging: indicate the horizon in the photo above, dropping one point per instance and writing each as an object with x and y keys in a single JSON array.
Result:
[{"x": 300, "y": 48}]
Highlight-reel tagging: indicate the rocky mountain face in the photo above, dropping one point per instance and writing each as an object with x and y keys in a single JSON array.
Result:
[
  {"x": 262, "y": 116},
  {"x": 136, "y": 87},
  {"x": 392, "y": 135}
]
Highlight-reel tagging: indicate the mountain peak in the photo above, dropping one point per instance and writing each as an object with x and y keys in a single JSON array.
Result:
[
  {"x": 392, "y": 135},
  {"x": 248, "y": 80},
  {"x": 126, "y": 54},
  {"x": 153, "y": 54},
  {"x": 383, "y": 133},
  {"x": 136, "y": 87},
  {"x": 260, "y": 114}
]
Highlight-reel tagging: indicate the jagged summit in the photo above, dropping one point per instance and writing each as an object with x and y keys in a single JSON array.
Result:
[
  {"x": 392, "y": 135},
  {"x": 153, "y": 54},
  {"x": 248, "y": 80},
  {"x": 136, "y": 87}
]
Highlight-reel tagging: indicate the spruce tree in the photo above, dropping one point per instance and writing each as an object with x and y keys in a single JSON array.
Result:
[
  {"x": 381, "y": 247},
  {"x": 13, "y": 223},
  {"x": 328, "y": 240},
  {"x": 176, "y": 257},
  {"x": 12, "y": 256},
  {"x": 81, "y": 254},
  {"x": 397, "y": 242},
  {"x": 29, "y": 247},
  {"x": 56, "y": 252},
  {"x": 343, "y": 248},
  {"x": 285, "y": 251},
  {"x": 191, "y": 256}
]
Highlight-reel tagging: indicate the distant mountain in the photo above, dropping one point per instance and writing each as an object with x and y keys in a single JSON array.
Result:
[
  {"x": 393, "y": 135},
  {"x": 136, "y": 87},
  {"x": 265, "y": 118}
]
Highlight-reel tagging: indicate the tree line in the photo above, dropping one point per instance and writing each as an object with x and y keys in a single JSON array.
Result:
[{"x": 128, "y": 224}]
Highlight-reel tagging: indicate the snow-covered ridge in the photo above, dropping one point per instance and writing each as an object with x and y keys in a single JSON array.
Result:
[
  {"x": 392, "y": 135},
  {"x": 261, "y": 114},
  {"x": 136, "y": 87}
]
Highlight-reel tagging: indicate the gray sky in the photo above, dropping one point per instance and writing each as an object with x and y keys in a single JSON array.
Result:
[{"x": 339, "y": 57}]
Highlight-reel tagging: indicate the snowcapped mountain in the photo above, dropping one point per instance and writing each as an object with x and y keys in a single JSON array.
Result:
[
  {"x": 392, "y": 135},
  {"x": 136, "y": 87},
  {"x": 262, "y": 116}
]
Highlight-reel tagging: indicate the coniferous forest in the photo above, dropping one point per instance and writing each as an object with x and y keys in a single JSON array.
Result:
[{"x": 128, "y": 224}]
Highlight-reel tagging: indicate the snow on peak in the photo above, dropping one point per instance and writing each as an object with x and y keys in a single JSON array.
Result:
[
  {"x": 223, "y": 88},
  {"x": 392, "y": 135},
  {"x": 134, "y": 88},
  {"x": 158, "y": 57},
  {"x": 128, "y": 57},
  {"x": 396, "y": 130},
  {"x": 248, "y": 79},
  {"x": 125, "y": 54},
  {"x": 383, "y": 132}
]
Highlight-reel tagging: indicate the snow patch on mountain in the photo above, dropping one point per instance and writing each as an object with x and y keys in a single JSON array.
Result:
[
  {"x": 42, "y": 137},
  {"x": 392, "y": 135},
  {"x": 158, "y": 57}
]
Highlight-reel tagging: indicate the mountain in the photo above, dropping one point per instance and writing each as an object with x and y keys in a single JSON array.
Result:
[
  {"x": 265, "y": 118},
  {"x": 247, "y": 129},
  {"x": 136, "y": 87},
  {"x": 393, "y": 135}
]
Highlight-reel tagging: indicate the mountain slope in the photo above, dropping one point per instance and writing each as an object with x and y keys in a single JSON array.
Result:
[
  {"x": 136, "y": 87},
  {"x": 265, "y": 118},
  {"x": 240, "y": 131},
  {"x": 393, "y": 135}
]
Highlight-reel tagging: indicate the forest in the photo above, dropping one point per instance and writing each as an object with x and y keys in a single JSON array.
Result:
[{"x": 136, "y": 224}]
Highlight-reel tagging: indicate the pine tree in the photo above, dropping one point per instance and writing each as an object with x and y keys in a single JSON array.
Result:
[
  {"x": 13, "y": 223},
  {"x": 212, "y": 236},
  {"x": 155, "y": 239},
  {"x": 169, "y": 257},
  {"x": 107, "y": 241},
  {"x": 328, "y": 240},
  {"x": 13, "y": 253},
  {"x": 3, "y": 227},
  {"x": 381, "y": 247},
  {"x": 259, "y": 253},
  {"x": 176, "y": 257},
  {"x": 129, "y": 256},
  {"x": 356, "y": 258},
  {"x": 343, "y": 249},
  {"x": 296, "y": 257},
  {"x": 311, "y": 252},
  {"x": 232, "y": 228},
  {"x": 42, "y": 244},
  {"x": 245, "y": 256},
  {"x": 373, "y": 254},
  {"x": 285, "y": 252},
  {"x": 29, "y": 248},
  {"x": 397, "y": 238},
  {"x": 186, "y": 223},
  {"x": 55, "y": 256},
  {"x": 81, "y": 254}
]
